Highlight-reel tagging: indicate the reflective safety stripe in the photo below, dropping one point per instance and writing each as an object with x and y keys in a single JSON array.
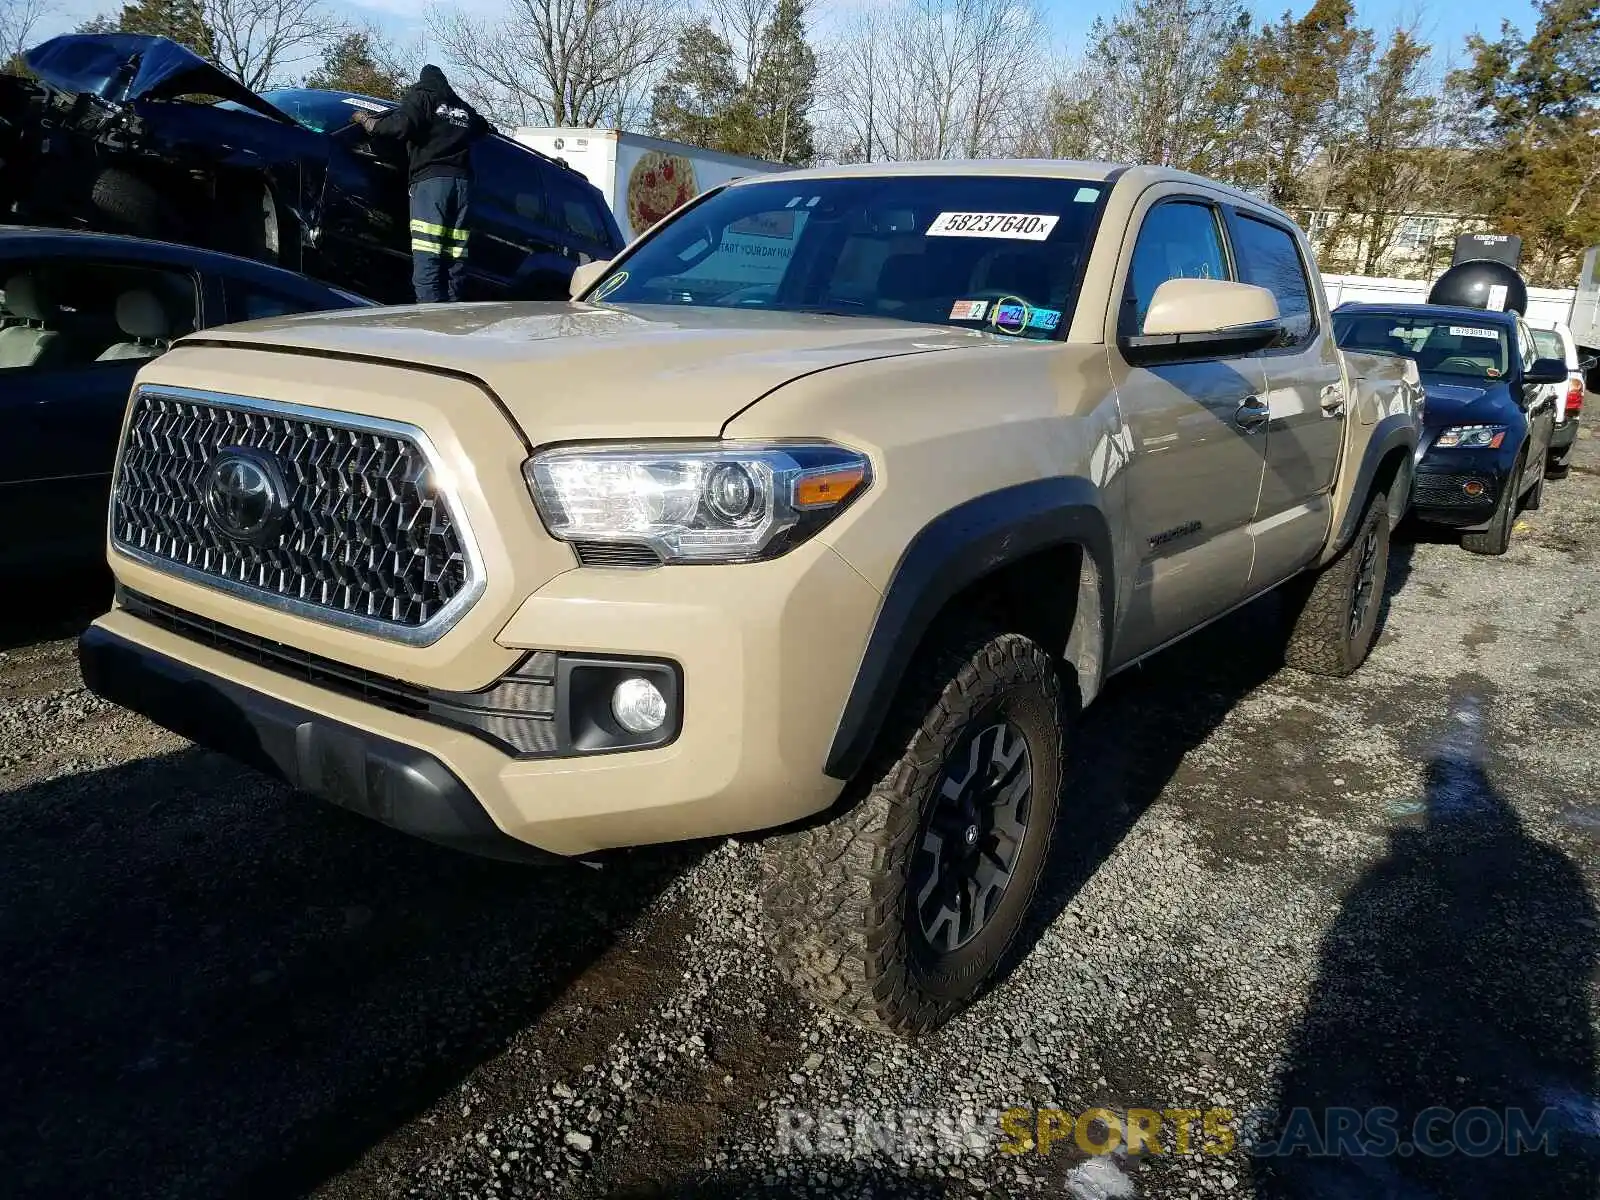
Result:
[
  {"x": 426, "y": 246},
  {"x": 459, "y": 235},
  {"x": 437, "y": 231},
  {"x": 456, "y": 250}
]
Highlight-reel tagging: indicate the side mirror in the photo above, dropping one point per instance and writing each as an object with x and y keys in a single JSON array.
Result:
[
  {"x": 1546, "y": 370},
  {"x": 1204, "y": 318},
  {"x": 586, "y": 276}
]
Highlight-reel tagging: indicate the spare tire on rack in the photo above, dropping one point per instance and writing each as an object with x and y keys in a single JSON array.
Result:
[{"x": 125, "y": 203}]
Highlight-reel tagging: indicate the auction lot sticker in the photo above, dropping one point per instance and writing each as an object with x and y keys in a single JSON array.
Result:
[
  {"x": 1024, "y": 227},
  {"x": 1473, "y": 331}
]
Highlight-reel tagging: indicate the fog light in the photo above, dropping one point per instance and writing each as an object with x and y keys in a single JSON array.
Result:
[
  {"x": 1473, "y": 487},
  {"x": 639, "y": 705}
]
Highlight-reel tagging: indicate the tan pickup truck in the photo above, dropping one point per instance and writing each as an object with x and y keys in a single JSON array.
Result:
[{"x": 820, "y": 512}]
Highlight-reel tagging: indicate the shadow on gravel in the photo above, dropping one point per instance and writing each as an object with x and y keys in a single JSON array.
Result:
[
  {"x": 58, "y": 607},
  {"x": 1450, "y": 1004},
  {"x": 837, "y": 1179},
  {"x": 214, "y": 987},
  {"x": 1125, "y": 748}
]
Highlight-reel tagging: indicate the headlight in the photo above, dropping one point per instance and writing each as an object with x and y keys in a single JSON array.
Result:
[
  {"x": 706, "y": 503},
  {"x": 1472, "y": 437}
]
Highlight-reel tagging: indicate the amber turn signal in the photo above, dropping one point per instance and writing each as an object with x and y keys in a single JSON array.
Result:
[{"x": 819, "y": 489}]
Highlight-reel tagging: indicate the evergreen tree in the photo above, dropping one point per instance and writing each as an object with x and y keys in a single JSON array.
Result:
[
  {"x": 358, "y": 62},
  {"x": 184, "y": 21},
  {"x": 784, "y": 88},
  {"x": 703, "y": 101},
  {"x": 696, "y": 98},
  {"x": 1534, "y": 106}
]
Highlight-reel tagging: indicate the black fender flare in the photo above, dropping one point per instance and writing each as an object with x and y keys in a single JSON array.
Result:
[
  {"x": 953, "y": 551},
  {"x": 1393, "y": 432}
]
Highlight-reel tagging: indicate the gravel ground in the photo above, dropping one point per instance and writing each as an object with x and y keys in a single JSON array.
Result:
[{"x": 1276, "y": 892}]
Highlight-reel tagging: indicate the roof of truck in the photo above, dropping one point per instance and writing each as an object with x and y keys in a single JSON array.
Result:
[{"x": 1080, "y": 170}]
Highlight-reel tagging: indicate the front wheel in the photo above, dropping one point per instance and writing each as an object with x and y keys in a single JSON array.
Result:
[
  {"x": 1497, "y": 538},
  {"x": 1336, "y": 617},
  {"x": 898, "y": 913}
]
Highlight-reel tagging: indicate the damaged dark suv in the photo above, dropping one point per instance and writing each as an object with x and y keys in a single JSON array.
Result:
[{"x": 126, "y": 133}]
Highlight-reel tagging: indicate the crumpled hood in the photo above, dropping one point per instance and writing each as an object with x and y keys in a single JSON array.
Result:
[
  {"x": 577, "y": 370},
  {"x": 1456, "y": 403},
  {"x": 161, "y": 69}
]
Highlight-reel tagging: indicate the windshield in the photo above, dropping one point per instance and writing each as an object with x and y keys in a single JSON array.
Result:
[
  {"x": 1451, "y": 345},
  {"x": 320, "y": 112},
  {"x": 979, "y": 251}
]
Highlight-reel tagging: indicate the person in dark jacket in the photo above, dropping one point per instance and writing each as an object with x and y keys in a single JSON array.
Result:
[{"x": 439, "y": 128}]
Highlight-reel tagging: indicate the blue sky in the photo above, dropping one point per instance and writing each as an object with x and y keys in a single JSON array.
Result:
[{"x": 1445, "y": 24}]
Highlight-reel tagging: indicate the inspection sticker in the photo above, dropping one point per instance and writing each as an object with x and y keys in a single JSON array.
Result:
[
  {"x": 1024, "y": 227},
  {"x": 1473, "y": 331},
  {"x": 369, "y": 105},
  {"x": 969, "y": 310}
]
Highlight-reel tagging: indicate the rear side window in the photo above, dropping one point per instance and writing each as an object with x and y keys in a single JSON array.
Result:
[
  {"x": 1547, "y": 344},
  {"x": 1268, "y": 257},
  {"x": 1179, "y": 240},
  {"x": 574, "y": 210}
]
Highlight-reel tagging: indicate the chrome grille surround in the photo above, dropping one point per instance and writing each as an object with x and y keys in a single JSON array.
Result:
[{"x": 374, "y": 542}]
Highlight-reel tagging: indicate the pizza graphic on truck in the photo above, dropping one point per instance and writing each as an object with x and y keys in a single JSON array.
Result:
[{"x": 658, "y": 183}]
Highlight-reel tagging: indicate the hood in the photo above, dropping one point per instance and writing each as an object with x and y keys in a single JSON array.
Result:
[
  {"x": 119, "y": 67},
  {"x": 1456, "y": 403},
  {"x": 577, "y": 370}
]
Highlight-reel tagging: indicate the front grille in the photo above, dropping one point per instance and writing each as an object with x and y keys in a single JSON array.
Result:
[
  {"x": 1443, "y": 490},
  {"x": 517, "y": 713},
  {"x": 364, "y": 537}
]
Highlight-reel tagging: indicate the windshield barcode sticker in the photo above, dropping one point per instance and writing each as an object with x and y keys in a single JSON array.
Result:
[
  {"x": 1026, "y": 227},
  {"x": 369, "y": 105},
  {"x": 1473, "y": 331}
]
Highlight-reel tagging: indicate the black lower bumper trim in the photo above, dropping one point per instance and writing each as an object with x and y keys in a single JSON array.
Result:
[{"x": 399, "y": 785}]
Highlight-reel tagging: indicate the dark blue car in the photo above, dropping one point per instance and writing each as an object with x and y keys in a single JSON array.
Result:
[
  {"x": 1486, "y": 427},
  {"x": 80, "y": 313},
  {"x": 133, "y": 134}
]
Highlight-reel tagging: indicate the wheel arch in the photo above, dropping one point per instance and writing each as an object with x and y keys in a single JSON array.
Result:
[
  {"x": 1040, "y": 553},
  {"x": 1388, "y": 452}
]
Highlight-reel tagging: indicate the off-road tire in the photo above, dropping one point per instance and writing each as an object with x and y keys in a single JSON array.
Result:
[
  {"x": 129, "y": 204},
  {"x": 1325, "y": 638},
  {"x": 839, "y": 912},
  {"x": 1497, "y": 538},
  {"x": 1560, "y": 464}
]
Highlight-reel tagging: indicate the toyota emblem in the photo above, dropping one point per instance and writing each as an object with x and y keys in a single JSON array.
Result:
[{"x": 244, "y": 494}]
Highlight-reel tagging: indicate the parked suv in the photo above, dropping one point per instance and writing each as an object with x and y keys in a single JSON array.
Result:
[
  {"x": 821, "y": 512},
  {"x": 110, "y": 137},
  {"x": 1553, "y": 340}
]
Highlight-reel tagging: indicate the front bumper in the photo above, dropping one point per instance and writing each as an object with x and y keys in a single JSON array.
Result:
[
  {"x": 768, "y": 652},
  {"x": 403, "y": 786},
  {"x": 1440, "y": 495}
]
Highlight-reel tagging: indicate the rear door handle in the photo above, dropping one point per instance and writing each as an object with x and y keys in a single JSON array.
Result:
[{"x": 1252, "y": 414}]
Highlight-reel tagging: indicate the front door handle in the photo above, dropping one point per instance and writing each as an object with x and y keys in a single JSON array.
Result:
[
  {"x": 1252, "y": 414},
  {"x": 1333, "y": 399}
]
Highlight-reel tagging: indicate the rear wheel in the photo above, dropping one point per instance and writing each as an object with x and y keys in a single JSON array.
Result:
[
  {"x": 1560, "y": 464},
  {"x": 1497, "y": 538},
  {"x": 1337, "y": 617},
  {"x": 1535, "y": 496},
  {"x": 898, "y": 913}
]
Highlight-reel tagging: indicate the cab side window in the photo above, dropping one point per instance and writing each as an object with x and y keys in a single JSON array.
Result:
[
  {"x": 1268, "y": 257},
  {"x": 573, "y": 212},
  {"x": 1179, "y": 240}
]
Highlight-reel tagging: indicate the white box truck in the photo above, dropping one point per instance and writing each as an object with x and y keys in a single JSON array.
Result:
[{"x": 642, "y": 178}]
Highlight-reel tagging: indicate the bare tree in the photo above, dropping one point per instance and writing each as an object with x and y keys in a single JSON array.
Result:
[
  {"x": 18, "y": 21},
  {"x": 741, "y": 22},
  {"x": 559, "y": 62},
  {"x": 931, "y": 79},
  {"x": 266, "y": 42}
]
